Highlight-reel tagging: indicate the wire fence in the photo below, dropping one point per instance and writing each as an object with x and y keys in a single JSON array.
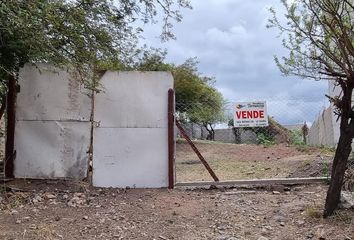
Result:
[{"x": 290, "y": 146}]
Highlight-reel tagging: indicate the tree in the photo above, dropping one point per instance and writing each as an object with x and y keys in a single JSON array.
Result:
[
  {"x": 197, "y": 100},
  {"x": 208, "y": 110},
  {"x": 319, "y": 38},
  {"x": 75, "y": 33},
  {"x": 236, "y": 131},
  {"x": 81, "y": 36}
]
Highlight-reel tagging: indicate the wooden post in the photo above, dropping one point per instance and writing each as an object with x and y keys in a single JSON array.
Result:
[
  {"x": 171, "y": 139},
  {"x": 10, "y": 128},
  {"x": 195, "y": 149}
]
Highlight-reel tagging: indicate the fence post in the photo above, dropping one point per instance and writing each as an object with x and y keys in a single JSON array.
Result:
[
  {"x": 10, "y": 128},
  {"x": 171, "y": 139}
]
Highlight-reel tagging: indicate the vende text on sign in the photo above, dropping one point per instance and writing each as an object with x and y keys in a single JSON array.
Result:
[{"x": 250, "y": 114}]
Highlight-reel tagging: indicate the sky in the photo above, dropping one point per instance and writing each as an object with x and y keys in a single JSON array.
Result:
[{"x": 232, "y": 44}]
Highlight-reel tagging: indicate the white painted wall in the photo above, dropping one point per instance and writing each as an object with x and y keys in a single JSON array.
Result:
[
  {"x": 321, "y": 132},
  {"x": 333, "y": 91},
  {"x": 130, "y": 144},
  {"x": 52, "y": 133},
  {"x": 325, "y": 130}
]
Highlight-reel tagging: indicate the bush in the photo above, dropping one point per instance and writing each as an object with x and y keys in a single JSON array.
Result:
[
  {"x": 296, "y": 138},
  {"x": 265, "y": 139}
]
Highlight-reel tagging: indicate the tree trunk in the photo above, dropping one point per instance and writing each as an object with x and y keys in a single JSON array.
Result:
[
  {"x": 211, "y": 132},
  {"x": 342, "y": 153},
  {"x": 236, "y": 135},
  {"x": 338, "y": 170},
  {"x": 305, "y": 132}
]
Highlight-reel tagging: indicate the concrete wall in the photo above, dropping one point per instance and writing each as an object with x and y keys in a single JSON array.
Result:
[
  {"x": 325, "y": 130},
  {"x": 227, "y": 135},
  {"x": 321, "y": 132},
  {"x": 52, "y": 133},
  {"x": 195, "y": 131}
]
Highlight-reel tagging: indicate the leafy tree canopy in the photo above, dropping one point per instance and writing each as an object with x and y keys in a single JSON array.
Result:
[
  {"x": 197, "y": 100},
  {"x": 76, "y": 33}
]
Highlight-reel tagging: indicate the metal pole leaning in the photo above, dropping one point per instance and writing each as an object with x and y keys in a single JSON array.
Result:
[{"x": 195, "y": 149}]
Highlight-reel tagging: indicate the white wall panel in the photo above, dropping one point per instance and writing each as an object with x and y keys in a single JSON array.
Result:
[
  {"x": 130, "y": 144},
  {"x": 133, "y": 99},
  {"x": 130, "y": 157},
  {"x": 51, "y": 149},
  {"x": 49, "y": 94}
]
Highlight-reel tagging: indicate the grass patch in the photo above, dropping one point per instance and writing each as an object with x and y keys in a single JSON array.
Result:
[
  {"x": 312, "y": 212},
  {"x": 327, "y": 151},
  {"x": 297, "y": 140}
]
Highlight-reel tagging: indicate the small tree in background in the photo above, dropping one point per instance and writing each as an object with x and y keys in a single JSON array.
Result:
[
  {"x": 319, "y": 38},
  {"x": 197, "y": 100},
  {"x": 208, "y": 111}
]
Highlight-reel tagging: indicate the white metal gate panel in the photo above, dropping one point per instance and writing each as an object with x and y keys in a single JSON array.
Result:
[
  {"x": 51, "y": 149},
  {"x": 52, "y": 133},
  {"x": 130, "y": 142}
]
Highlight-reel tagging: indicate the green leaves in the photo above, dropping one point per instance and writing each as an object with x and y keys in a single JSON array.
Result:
[
  {"x": 319, "y": 37},
  {"x": 196, "y": 98},
  {"x": 80, "y": 34}
]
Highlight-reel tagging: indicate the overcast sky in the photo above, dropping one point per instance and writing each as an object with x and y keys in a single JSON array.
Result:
[{"x": 232, "y": 44}]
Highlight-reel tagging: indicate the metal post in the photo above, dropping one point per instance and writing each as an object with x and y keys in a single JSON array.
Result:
[
  {"x": 171, "y": 139},
  {"x": 10, "y": 128}
]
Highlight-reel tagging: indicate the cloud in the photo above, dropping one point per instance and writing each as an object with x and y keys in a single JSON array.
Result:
[{"x": 232, "y": 43}]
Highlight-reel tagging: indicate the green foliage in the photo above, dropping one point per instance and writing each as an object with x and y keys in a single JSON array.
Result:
[
  {"x": 296, "y": 138},
  {"x": 265, "y": 139},
  {"x": 326, "y": 170},
  {"x": 82, "y": 34},
  {"x": 197, "y": 100},
  {"x": 319, "y": 38}
]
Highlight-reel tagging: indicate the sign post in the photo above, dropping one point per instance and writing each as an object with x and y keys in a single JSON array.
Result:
[{"x": 250, "y": 114}]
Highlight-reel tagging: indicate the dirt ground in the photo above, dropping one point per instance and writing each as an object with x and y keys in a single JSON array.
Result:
[
  {"x": 250, "y": 161},
  {"x": 67, "y": 210}
]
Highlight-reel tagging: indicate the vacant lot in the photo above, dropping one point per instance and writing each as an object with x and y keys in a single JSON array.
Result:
[
  {"x": 249, "y": 161},
  {"x": 66, "y": 210}
]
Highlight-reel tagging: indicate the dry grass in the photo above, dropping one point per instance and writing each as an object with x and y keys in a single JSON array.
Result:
[
  {"x": 313, "y": 212},
  {"x": 239, "y": 161}
]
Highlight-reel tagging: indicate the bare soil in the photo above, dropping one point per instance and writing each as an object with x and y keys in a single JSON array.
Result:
[
  {"x": 73, "y": 210},
  {"x": 250, "y": 161}
]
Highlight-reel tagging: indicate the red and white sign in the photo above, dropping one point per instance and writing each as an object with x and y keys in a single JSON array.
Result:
[{"x": 250, "y": 114}]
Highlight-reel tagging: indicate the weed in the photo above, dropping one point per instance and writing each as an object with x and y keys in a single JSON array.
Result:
[
  {"x": 265, "y": 140},
  {"x": 313, "y": 212},
  {"x": 296, "y": 138},
  {"x": 327, "y": 151},
  {"x": 326, "y": 170}
]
